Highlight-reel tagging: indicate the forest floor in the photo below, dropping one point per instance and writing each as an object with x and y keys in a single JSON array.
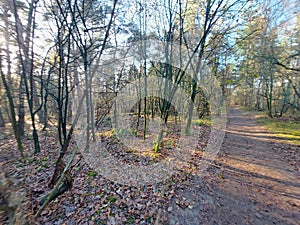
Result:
[{"x": 255, "y": 179}]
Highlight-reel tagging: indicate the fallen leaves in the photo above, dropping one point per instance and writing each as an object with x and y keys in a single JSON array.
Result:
[{"x": 93, "y": 198}]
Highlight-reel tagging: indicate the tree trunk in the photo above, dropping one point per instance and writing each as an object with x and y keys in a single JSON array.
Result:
[
  {"x": 145, "y": 107},
  {"x": 21, "y": 110},
  {"x": 26, "y": 56},
  {"x": 12, "y": 111},
  {"x": 191, "y": 108},
  {"x": 2, "y": 122}
]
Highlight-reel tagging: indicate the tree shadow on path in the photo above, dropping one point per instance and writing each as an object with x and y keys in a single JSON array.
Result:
[{"x": 248, "y": 183}]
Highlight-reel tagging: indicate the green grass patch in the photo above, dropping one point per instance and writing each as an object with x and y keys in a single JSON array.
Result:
[
  {"x": 204, "y": 121},
  {"x": 112, "y": 199},
  {"x": 92, "y": 173},
  {"x": 286, "y": 128},
  {"x": 129, "y": 219}
]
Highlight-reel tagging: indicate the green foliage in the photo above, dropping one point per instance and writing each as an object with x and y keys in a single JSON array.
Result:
[
  {"x": 45, "y": 165},
  {"x": 112, "y": 199},
  {"x": 199, "y": 123},
  {"x": 92, "y": 173},
  {"x": 229, "y": 81},
  {"x": 130, "y": 220},
  {"x": 156, "y": 146},
  {"x": 148, "y": 219},
  {"x": 204, "y": 121}
]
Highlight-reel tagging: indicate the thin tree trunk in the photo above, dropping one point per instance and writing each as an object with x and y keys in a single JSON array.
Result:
[
  {"x": 145, "y": 102},
  {"x": 191, "y": 108},
  {"x": 21, "y": 114},
  {"x": 21, "y": 107},
  {"x": 2, "y": 122},
  {"x": 12, "y": 111},
  {"x": 57, "y": 172},
  {"x": 27, "y": 60}
]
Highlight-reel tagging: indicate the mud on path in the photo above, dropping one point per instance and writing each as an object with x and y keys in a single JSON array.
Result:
[{"x": 254, "y": 180}]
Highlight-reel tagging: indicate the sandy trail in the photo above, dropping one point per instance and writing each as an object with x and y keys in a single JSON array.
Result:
[{"x": 251, "y": 181}]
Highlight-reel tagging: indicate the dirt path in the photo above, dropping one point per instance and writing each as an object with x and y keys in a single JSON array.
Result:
[{"x": 253, "y": 181}]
